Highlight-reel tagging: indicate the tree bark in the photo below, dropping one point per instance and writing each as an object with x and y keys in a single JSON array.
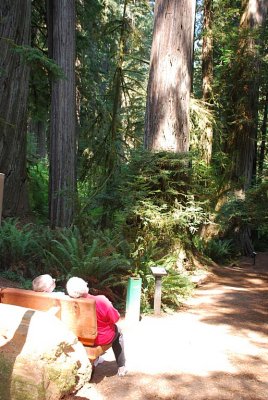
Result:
[
  {"x": 117, "y": 97},
  {"x": 169, "y": 87},
  {"x": 62, "y": 152},
  {"x": 245, "y": 99},
  {"x": 207, "y": 52},
  {"x": 263, "y": 137},
  {"x": 246, "y": 93},
  {"x": 15, "y": 18},
  {"x": 207, "y": 78}
]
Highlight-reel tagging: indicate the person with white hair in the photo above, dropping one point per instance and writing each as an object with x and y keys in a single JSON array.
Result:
[
  {"x": 43, "y": 283},
  {"x": 107, "y": 316}
]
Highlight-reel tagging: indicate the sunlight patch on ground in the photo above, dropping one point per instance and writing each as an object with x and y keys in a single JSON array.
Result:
[
  {"x": 257, "y": 337},
  {"x": 255, "y": 281},
  {"x": 205, "y": 297},
  {"x": 154, "y": 352},
  {"x": 238, "y": 289},
  {"x": 151, "y": 351},
  {"x": 89, "y": 392}
]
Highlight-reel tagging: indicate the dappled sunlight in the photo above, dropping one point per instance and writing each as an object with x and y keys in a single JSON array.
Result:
[
  {"x": 255, "y": 281},
  {"x": 182, "y": 386},
  {"x": 238, "y": 289}
]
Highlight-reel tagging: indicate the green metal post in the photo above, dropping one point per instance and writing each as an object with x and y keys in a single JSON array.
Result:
[{"x": 133, "y": 300}]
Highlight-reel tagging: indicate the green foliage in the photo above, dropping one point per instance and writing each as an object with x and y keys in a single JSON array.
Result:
[
  {"x": 37, "y": 59},
  {"x": 251, "y": 211},
  {"x": 16, "y": 276},
  {"x": 113, "y": 52},
  {"x": 30, "y": 250},
  {"x": 38, "y": 188},
  {"x": 159, "y": 208},
  {"x": 219, "y": 250},
  {"x": 152, "y": 205},
  {"x": 18, "y": 245},
  {"x": 95, "y": 262},
  {"x": 175, "y": 286}
]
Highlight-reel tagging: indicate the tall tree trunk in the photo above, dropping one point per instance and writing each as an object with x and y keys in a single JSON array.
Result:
[
  {"x": 117, "y": 96},
  {"x": 245, "y": 101},
  {"x": 207, "y": 77},
  {"x": 263, "y": 137},
  {"x": 15, "y": 22},
  {"x": 169, "y": 87},
  {"x": 62, "y": 151},
  {"x": 246, "y": 96}
]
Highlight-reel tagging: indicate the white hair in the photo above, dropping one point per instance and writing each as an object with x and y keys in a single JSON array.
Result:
[
  {"x": 76, "y": 287},
  {"x": 43, "y": 283}
]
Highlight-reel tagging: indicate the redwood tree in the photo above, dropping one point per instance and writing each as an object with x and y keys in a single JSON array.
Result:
[
  {"x": 207, "y": 76},
  {"x": 15, "y": 18},
  {"x": 245, "y": 102},
  {"x": 168, "y": 94},
  {"x": 61, "y": 26},
  {"x": 263, "y": 138},
  {"x": 245, "y": 95}
]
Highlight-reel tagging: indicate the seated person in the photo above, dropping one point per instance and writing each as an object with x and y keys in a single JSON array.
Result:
[{"x": 107, "y": 316}]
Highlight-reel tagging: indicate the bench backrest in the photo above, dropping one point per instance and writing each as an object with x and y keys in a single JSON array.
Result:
[{"x": 79, "y": 315}]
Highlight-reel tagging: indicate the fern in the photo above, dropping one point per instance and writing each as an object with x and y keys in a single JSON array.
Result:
[{"x": 18, "y": 244}]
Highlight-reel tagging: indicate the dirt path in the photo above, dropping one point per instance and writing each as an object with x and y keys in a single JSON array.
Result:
[{"x": 216, "y": 348}]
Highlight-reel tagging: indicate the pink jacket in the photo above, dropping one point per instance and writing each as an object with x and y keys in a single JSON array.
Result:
[{"x": 107, "y": 316}]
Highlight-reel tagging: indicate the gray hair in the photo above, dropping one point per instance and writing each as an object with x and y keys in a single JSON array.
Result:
[
  {"x": 43, "y": 283},
  {"x": 76, "y": 287}
]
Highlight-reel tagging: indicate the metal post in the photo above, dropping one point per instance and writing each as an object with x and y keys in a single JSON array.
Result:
[
  {"x": 157, "y": 295},
  {"x": 2, "y": 178}
]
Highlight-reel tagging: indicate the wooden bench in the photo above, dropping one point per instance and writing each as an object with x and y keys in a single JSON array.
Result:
[{"x": 79, "y": 315}]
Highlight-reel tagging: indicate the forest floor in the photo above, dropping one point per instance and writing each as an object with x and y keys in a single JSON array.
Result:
[{"x": 215, "y": 348}]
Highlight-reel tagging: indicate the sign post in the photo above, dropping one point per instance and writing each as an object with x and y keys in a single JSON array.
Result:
[
  {"x": 2, "y": 178},
  {"x": 158, "y": 273},
  {"x": 133, "y": 300}
]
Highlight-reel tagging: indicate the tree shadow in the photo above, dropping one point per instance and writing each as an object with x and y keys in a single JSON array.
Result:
[
  {"x": 243, "y": 384},
  {"x": 104, "y": 370}
]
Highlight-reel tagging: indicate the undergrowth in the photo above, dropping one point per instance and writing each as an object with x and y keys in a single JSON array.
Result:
[{"x": 151, "y": 213}]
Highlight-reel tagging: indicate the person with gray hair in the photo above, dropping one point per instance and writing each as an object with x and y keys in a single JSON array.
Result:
[
  {"x": 107, "y": 316},
  {"x": 44, "y": 283}
]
